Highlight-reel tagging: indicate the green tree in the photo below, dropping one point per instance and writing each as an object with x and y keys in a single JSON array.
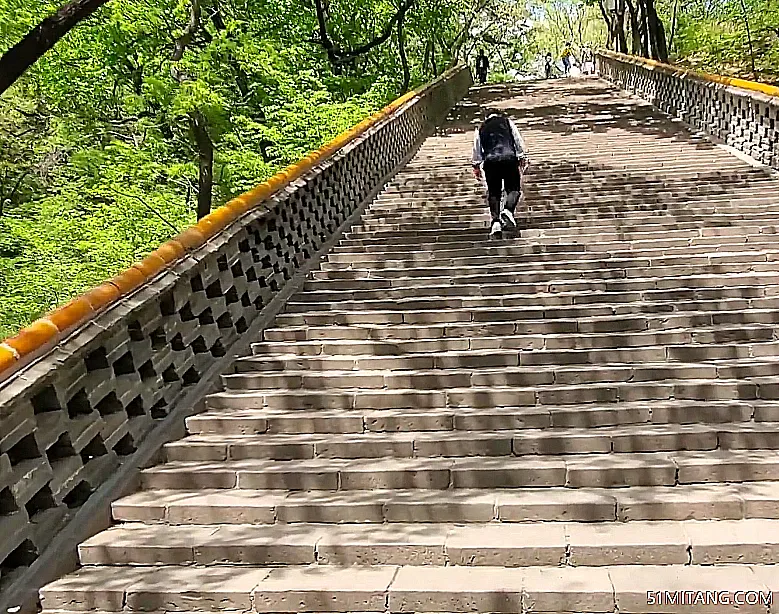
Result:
[{"x": 129, "y": 126}]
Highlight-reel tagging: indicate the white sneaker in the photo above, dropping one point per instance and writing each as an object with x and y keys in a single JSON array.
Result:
[
  {"x": 507, "y": 219},
  {"x": 496, "y": 231}
]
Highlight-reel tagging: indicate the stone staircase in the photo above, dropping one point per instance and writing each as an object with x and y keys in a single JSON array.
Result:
[{"x": 568, "y": 421}]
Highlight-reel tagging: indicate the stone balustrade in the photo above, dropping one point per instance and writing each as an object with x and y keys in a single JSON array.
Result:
[{"x": 739, "y": 113}]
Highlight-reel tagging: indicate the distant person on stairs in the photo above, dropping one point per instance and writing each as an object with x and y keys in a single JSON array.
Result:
[
  {"x": 588, "y": 62},
  {"x": 567, "y": 56},
  {"x": 482, "y": 66},
  {"x": 499, "y": 148}
]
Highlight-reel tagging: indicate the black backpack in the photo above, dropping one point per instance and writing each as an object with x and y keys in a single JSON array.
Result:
[{"x": 497, "y": 140}]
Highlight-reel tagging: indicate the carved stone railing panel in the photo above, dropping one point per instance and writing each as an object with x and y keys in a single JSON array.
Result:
[{"x": 741, "y": 114}]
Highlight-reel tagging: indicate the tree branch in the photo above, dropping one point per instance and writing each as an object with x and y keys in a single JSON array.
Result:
[
  {"x": 403, "y": 58},
  {"x": 399, "y": 15},
  {"x": 324, "y": 37},
  {"x": 189, "y": 32},
  {"x": 198, "y": 123},
  {"x": 335, "y": 54},
  {"x": 147, "y": 205},
  {"x": 42, "y": 38}
]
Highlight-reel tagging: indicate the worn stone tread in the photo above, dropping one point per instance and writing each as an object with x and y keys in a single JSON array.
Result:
[
  {"x": 526, "y": 442},
  {"x": 241, "y": 506},
  {"x": 574, "y": 470},
  {"x": 752, "y": 541},
  {"x": 401, "y": 589},
  {"x": 230, "y": 422}
]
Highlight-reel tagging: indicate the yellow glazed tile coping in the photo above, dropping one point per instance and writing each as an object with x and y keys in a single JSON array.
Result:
[
  {"x": 764, "y": 88},
  {"x": 80, "y": 309}
]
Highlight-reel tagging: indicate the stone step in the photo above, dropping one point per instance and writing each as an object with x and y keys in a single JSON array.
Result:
[
  {"x": 590, "y": 261},
  {"x": 600, "y": 180},
  {"x": 530, "y": 343},
  {"x": 571, "y": 190},
  {"x": 560, "y": 223},
  {"x": 510, "y": 248},
  {"x": 367, "y": 278},
  {"x": 302, "y": 315},
  {"x": 474, "y": 288},
  {"x": 635, "y": 172},
  {"x": 527, "y": 241},
  {"x": 473, "y": 211},
  {"x": 600, "y": 186},
  {"x": 695, "y": 183},
  {"x": 444, "y": 193},
  {"x": 729, "y": 298},
  {"x": 579, "y": 470},
  {"x": 515, "y": 322},
  {"x": 604, "y": 183},
  {"x": 549, "y": 226},
  {"x": 403, "y": 589},
  {"x": 525, "y": 442},
  {"x": 461, "y": 176},
  {"x": 623, "y": 198},
  {"x": 490, "y": 397},
  {"x": 712, "y": 211},
  {"x": 285, "y": 359},
  {"x": 511, "y": 545},
  {"x": 617, "y": 205},
  {"x": 257, "y": 421},
  {"x": 529, "y": 376},
  {"x": 738, "y": 233},
  {"x": 716, "y": 501},
  {"x": 666, "y": 277},
  {"x": 480, "y": 247}
]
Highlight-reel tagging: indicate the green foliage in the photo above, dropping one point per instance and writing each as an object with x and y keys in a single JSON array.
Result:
[
  {"x": 99, "y": 164},
  {"x": 715, "y": 37},
  {"x": 557, "y": 22},
  {"x": 709, "y": 35}
]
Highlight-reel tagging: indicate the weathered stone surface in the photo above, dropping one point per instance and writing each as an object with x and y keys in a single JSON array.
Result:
[{"x": 319, "y": 589}]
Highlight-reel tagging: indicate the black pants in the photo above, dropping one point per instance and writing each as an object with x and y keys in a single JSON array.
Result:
[
  {"x": 500, "y": 174},
  {"x": 481, "y": 75}
]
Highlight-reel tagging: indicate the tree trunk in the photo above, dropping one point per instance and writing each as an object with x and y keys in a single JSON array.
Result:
[
  {"x": 609, "y": 26},
  {"x": 502, "y": 61},
  {"x": 241, "y": 78},
  {"x": 749, "y": 37},
  {"x": 432, "y": 58},
  {"x": 42, "y": 38},
  {"x": 658, "y": 47},
  {"x": 403, "y": 58},
  {"x": 198, "y": 124},
  {"x": 635, "y": 30},
  {"x": 620, "y": 27},
  {"x": 205, "y": 152},
  {"x": 643, "y": 28},
  {"x": 673, "y": 25},
  {"x": 662, "y": 44}
]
